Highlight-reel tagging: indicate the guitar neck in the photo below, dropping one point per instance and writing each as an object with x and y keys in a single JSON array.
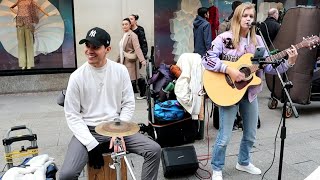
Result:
[{"x": 274, "y": 57}]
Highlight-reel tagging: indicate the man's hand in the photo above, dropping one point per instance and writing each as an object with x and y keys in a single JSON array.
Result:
[
  {"x": 95, "y": 157},
  {"x": 116, "y": 148},
  {"x": 235, "y": 74}
]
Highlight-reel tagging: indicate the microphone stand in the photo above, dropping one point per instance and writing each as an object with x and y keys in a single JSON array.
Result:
[
  {"x": 116, "y": 157},
  {"x": 286, "y": 98},
  {"x": 264, "y": 41}
]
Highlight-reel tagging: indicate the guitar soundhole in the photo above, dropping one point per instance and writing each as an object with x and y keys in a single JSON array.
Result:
[
  {"x": 239, "y": 85},
  {"x": 246, "y": 71}
]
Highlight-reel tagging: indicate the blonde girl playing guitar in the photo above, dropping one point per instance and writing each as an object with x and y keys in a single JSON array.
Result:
[{"x": 231, "y": 45}]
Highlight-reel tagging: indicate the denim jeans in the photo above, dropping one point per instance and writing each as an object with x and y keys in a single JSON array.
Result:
[{"x": 249, "y": 113}]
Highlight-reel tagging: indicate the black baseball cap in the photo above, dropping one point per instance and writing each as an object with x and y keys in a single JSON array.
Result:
[{"x": 97, "y": 37}]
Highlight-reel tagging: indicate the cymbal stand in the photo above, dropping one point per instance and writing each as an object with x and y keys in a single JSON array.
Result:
[{"x": 116, "y": 157}]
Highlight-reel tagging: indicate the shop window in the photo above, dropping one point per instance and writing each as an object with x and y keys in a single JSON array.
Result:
[{"x": 36, "y": 36}]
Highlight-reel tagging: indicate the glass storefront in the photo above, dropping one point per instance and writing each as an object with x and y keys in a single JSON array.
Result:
[
  {"x": 173, "y": 21},
  {"x": 283, "y": 5},
  {"x": 37, "y": 36}
]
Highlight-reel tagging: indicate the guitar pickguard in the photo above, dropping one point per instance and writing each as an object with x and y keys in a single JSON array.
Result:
[
  {"x": 240, "y": 85},
  {"x": 229, "y": 81}
]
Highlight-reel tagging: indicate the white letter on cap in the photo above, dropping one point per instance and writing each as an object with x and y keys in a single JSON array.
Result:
[{"x": 93, "y": 33}]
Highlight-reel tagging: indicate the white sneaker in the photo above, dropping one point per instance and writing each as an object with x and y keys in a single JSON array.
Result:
[
  {"x": 140, "y": 98},
  {"x": 216, "y": 175},
  {"x": 249, "y": 169}
]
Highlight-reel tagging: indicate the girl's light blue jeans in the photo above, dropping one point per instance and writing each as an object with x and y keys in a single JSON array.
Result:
[{"x": 227, "y": 115}]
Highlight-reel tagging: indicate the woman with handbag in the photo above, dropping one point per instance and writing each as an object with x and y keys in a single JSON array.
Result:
[
  {"x": 130, "y": 52},
  {"x": 139, "y": 31}
]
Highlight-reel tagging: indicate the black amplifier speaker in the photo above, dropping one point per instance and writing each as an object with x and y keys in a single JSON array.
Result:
[{"x": 178, "y": 161}]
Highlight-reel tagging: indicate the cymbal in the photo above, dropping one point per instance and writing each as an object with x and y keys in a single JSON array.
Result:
[{"x": 117, "y": 128}]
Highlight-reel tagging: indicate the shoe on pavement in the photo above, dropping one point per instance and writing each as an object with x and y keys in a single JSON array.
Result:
[
  {"x": 140, "y": 98},
  {"x": 216, "y": 175},
  {"x": 249, "y": 169},
  {"x": 235, "y": 127}
]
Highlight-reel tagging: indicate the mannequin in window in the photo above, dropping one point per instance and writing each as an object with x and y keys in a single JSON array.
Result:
[
  {"x": 213, "y": 19},
  {"x": 27, "y": 17}
]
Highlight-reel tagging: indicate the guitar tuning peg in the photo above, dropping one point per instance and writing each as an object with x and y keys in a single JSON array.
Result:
[
  {"x": 303, "y": 38},
  {"x": 314, "y": 46}
]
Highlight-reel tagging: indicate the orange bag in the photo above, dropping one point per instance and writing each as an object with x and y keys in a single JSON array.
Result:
[{"x": 175, "y": 70}]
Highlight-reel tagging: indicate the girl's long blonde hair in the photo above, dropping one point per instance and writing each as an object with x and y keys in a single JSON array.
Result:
[{"x": 236, "y": 26}]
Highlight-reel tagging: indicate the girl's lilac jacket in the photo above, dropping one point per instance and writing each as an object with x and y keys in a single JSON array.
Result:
[{"x": 221, "y": 47}]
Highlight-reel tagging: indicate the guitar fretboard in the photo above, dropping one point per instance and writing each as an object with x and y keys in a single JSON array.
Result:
[{"x": 275, "y": 57}]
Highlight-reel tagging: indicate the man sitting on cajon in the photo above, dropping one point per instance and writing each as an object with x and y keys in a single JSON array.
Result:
[{"x": 100, "y": 91}]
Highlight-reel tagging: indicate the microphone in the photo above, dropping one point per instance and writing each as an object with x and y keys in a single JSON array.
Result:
[{"x": 255, "y": 23}]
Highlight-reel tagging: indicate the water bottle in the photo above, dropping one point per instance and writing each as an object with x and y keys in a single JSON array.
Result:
[{"x": 169, "y": 87}]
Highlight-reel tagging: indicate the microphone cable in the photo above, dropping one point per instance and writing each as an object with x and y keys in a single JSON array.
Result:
[
  {"x": 268, "y": 35},
  {"x": 274, "y": 150},
  {"x": 274, "y": 48},
  {"x": 205, "y": 157}
]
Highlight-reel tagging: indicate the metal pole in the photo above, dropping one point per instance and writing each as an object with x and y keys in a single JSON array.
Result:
[
  {"x": 117, "y": 165},
  {"x": 117, "y": 160},
  {"x": 129, "y": 167}
]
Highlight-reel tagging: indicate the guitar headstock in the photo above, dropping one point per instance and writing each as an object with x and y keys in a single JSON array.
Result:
[{"x": 311, "y": 42}]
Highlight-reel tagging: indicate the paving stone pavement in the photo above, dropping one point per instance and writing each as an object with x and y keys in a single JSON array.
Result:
[{"x": 44, "y": 117}]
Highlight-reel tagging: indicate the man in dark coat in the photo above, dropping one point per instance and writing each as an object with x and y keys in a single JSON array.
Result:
[
  {"x": 270, "y": 27},
  {"x": 202, "y": 35}
]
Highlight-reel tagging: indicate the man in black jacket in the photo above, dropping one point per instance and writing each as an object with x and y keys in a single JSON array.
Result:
[{"x": 270, "y": 27}]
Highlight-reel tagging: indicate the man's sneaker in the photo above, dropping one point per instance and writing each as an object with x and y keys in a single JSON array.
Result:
[
  {"x": 216, "y": 175},
  {"x": 140, "y": 98},
  {"x": 249, "y": 169}
]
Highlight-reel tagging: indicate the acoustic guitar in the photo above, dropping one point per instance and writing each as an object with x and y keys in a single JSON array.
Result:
[{"x": 225, "y": 91}]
